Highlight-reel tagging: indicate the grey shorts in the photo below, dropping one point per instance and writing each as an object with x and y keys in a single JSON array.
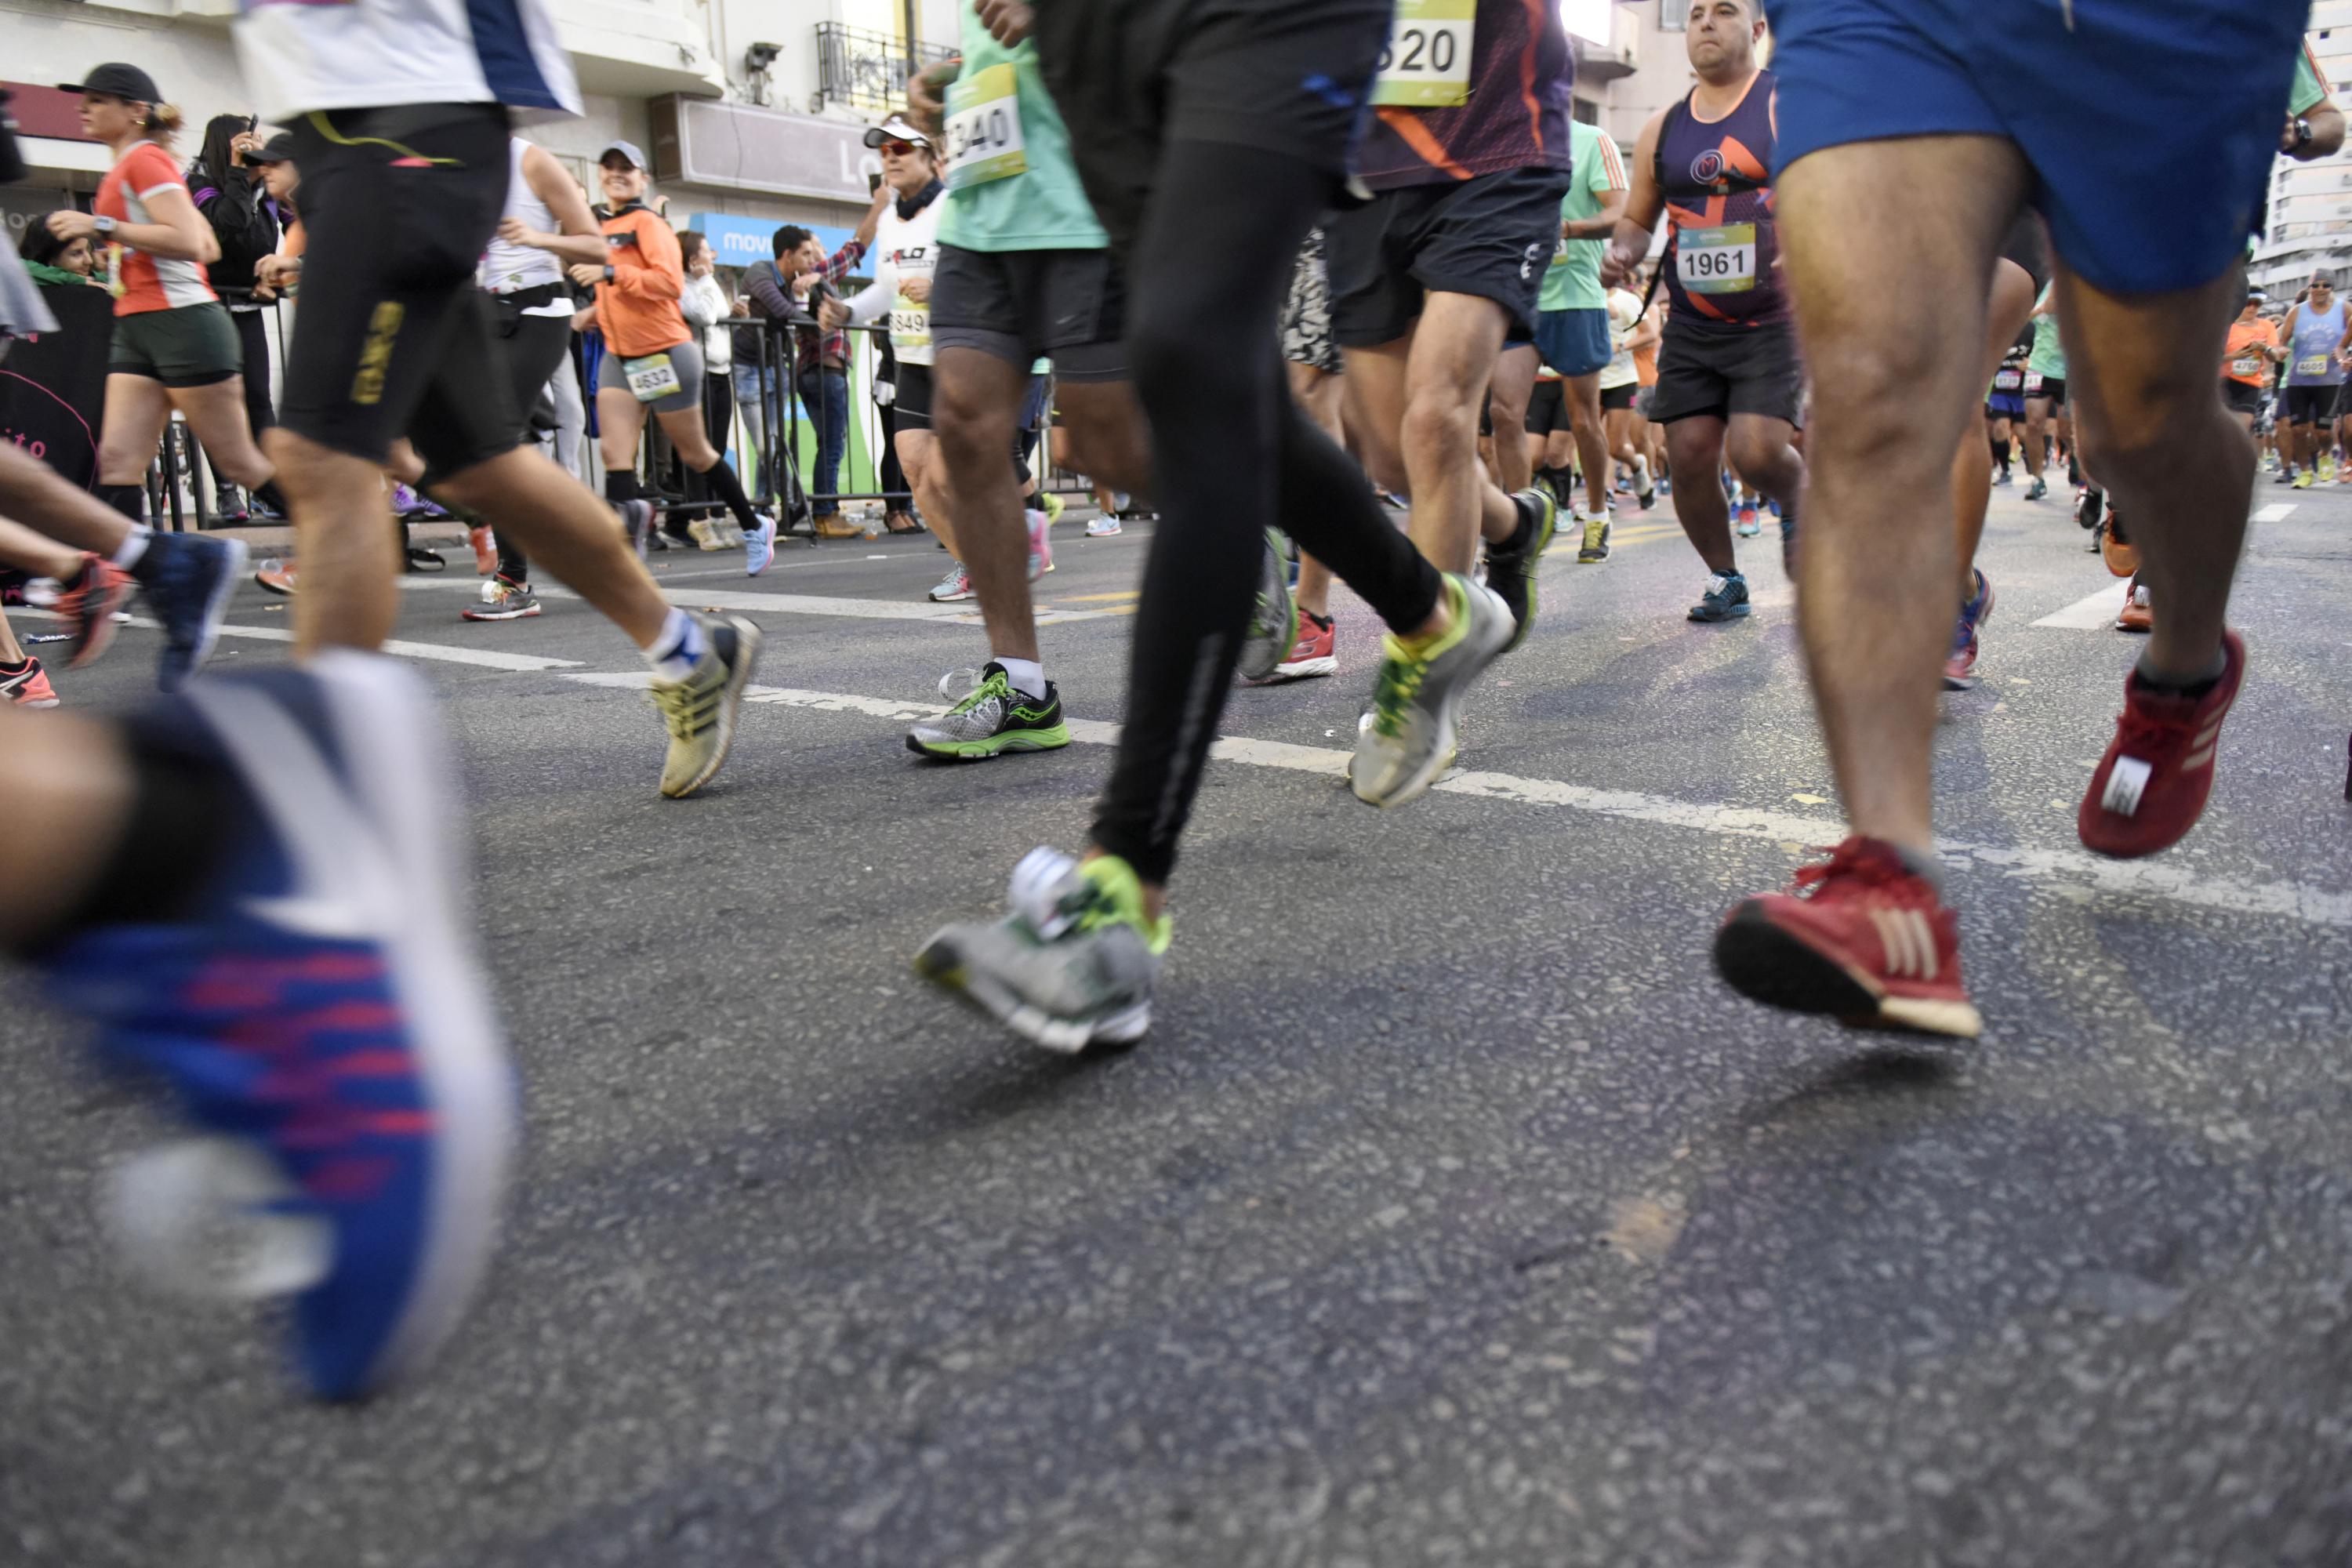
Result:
[
  {"x": 1068, "y": 306},
  {"x": 685, "y": 357}
]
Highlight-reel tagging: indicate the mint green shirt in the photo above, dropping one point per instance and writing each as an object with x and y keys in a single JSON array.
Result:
[
  {"x": 1573, "y": 280},
  {"x": 2049, "y": 358},
  {"x": 1040, "y": 207}
]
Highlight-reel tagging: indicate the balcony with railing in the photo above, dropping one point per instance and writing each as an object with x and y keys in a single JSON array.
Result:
[{"x": 864, "y": 70}]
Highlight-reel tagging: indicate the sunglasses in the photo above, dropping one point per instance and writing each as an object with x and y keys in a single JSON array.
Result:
[{"x": 903, "y": 149}]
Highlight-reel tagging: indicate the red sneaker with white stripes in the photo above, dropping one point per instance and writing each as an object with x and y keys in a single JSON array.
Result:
[
  {"x": 1861, "y": 937},
  {"x": 2151, "y": 787}
]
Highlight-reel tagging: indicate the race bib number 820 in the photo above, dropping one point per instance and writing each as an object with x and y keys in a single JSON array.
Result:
[{"x": 1427, "y": 62}]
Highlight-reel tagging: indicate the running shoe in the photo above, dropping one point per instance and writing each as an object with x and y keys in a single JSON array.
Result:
[
  {"x": 991, "y": 716},
  {"x": 955, "y": 588},
  {"x": 1273, "y": 629},
  {"x": 643, "y": 526},
  {"x": 2286, "y": 477},
  {"x": 1407, "y": 738},
  {"x": 1511, "y": 566},
  {"x": 2090, "y": 506},
  {"x": 2003, "y": 478},
  {"x": 759, "y": 547},
  {"x": 2136, "y": 615},
  {"x": 1073, "y": 965},
  {"x": 1051, "y": 505},
  {"x": 2327, "y": 467},
  {"x": 320, "y": 1004},
  {"x": 714, "y": 533},
  {"x": 1316, "y": 651},
  {"x": 27, "y": 685},
  {"x": 2039, "y": 490},
  {"x": 503, "y": 600},
  {"x": 2151, "y": 787},
  {"x": 1041, "y": 546},
  {"x": 1960, "y": 666},
  {"x": 2302, "y": 480},
  {"x": 1726, "y": 598},
  {"x": 700, "y": 709},
  {"x": 276, "y": 577},
  {"x": 1647, "y": 497},
  {"x": 86, "y": 602},
  {"x": 485, "y": 549},
  {"x": 1595, "y": 546},
  {"x": 833, "y": 525},
  {"x": 1861, "y": 937},
  {"x": 186, "y": 579},
  {"x": 2119, "y": 553},
  {"x": 1103, "y": 525},
  {"x": 1749, "y": 525}
]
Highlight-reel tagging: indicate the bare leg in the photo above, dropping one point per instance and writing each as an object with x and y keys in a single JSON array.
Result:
[
  {"x": 33, "y": 494},
  {"x": 2008, "y": 307},
  {"x": 567, "y": 531},
  {"x": 216, "y": 414},
  {"x": 11, "y": 650},
  {"x": 1507, "y": 399},
  {"x": 42, "y": 556},
  {"x": 1694, "y": 445},
  {"x": 975, "y": 397},
  {"x": 2175, "y": 461},
  {"x": 136, "y": 409},
  {"x": 918, "y": 454},
  {"x": 344, "y": 536},
  {"x": 69, "y": 787},
  {"x": 1587, "y": 428},
  {"x": 1418, "y": 399},
  {"x": 1894, "y": 392}
]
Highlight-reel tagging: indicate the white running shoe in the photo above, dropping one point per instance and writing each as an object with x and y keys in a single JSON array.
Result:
[{"x": 955, "y": 588}]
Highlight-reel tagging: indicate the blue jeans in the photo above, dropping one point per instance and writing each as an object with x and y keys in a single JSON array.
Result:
[
  {"x": 749, "y": 379},
  {"x": 825, "y": 395}
]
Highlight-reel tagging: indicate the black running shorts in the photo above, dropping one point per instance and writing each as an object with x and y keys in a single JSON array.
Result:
[
  {"x": 396, "y": 340},
  {"x": 1066, "y": 305},
  {"x": 2309, "y": 405},
  {"x": 1491, "y": 237},
  {"x": 1548, "y": 408},
  {"x": 2240, "y": 398},
  {"x": 1717, "y": 369}
]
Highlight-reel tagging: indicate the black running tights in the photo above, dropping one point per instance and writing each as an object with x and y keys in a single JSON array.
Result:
[{"x": 1233, "y": 455}]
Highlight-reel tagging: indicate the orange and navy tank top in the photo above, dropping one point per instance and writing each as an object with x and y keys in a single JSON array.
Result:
[
  {"x": 1468, "y": 88},
  {"x": 1717, "y": 182}
]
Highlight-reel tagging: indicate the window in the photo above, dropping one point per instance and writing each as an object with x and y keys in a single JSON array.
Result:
[{"x": 1674, "y": 16}]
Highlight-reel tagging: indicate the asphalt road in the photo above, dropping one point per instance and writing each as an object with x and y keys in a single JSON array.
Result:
[{"x": 1452, "y": 1215}]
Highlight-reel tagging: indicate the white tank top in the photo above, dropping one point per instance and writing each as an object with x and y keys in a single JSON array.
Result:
[
  {"x": 507, "y": 266},
  {"x": 376, "y": 54}
]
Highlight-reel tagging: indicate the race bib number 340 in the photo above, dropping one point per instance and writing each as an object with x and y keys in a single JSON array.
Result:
[
  {"x": 1717, "y": 260},
  {"x": 984, "y": 128},
  {"x": 1427, "y": 62}
]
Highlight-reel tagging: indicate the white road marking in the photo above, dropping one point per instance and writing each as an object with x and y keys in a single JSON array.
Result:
[
  {"x": 2098, "y": 610},
  {"x": 2274, "y": 512},
  {"x": 967, "y": 614},
  {"x": 487, "y": 658},
  {"x": 2072, "y": 871}
]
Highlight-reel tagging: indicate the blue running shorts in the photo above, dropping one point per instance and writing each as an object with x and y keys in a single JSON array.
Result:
[{"x": 2151, "y": 125}]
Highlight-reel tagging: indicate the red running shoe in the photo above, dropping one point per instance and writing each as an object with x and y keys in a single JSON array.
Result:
[
  {"x": 27, "y": 685},
  {"x": 2151, "y": 787},
  {"x": 87, "y": 602},
  {"x": 1316, "y": 651},
  {"x": 1860, "y": 937}
]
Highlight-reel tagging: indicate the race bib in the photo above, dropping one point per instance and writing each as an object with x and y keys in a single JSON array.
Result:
[
  {"x": 984, "y": 128},
  {"x": 910, "y": 324},
  {"x": 2033, "y": 383},
  {"x": 1426, "y": 64},
  {"x": 1559, "y": 251},
  {"x": 1717, "y": 260},
  {"x": 2006, "y": 381},
  {"x": 2312, "y": 364},
  {"x": 2246, "y": 367},
  {"x": 651, "y": 377}
]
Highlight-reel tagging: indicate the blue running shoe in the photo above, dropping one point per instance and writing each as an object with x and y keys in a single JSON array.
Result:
[
  {"x": 186, "y": 579},
  {"x": 319, "y": 1005},
  {"x": 759, "y": 547},
  {"x": 1726, "y": 598}
]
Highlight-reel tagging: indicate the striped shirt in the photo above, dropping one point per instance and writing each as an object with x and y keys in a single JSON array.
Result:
[{"x": 149, "y": 282}]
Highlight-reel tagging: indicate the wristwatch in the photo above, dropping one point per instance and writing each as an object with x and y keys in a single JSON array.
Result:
[
  {"x": 608, "y": 275},
  {"x": 2301, "y": 131},
  {"x": 104, "y": 225}
]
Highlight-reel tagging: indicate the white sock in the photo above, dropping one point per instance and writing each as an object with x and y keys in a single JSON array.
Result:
[
  {"x": 127, "y": 554},
  {"x": 1642, "y": 473},
  {"x": 679, "y": 647},
  {"x": 1028, "y": 676}
]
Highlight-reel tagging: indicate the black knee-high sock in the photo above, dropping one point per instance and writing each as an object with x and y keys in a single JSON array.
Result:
[
  {"x": 131, "y": 501},
  {"x": 721, "y": 479},
  {"x": 2000, "y": 453}
]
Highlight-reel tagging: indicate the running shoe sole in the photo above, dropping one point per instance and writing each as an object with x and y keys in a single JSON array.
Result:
[
  {"x": 217, "y": 605},
  {"x": 1272, "y": 632},
  {"x": 1766, "y": 964},
  {"x": 485, "y": 612},
  {"x": 994, "y": 745},
  {"x": 739, "y": 676},
  {"x": 942, "y": 963}
]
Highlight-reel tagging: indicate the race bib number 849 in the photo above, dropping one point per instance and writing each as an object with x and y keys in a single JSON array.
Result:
[{"x": 1427, "y": 62}]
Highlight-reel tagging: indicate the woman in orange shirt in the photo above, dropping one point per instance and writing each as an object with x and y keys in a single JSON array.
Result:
[{"x": 2252, "y": 348}]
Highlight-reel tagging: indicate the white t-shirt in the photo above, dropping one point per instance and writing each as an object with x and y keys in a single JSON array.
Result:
[
  {"x": 903, "y": 249},
  {"x": 376, "y": 53},
  {"x": 1624, "y": 318}
]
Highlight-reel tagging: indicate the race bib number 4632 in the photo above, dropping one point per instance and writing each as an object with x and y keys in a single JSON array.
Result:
[
  {"x": 1717, "y": 260},
  {"x": 1427, "y": 62},
  {"x": 652, "y": 378},
  {"x": 984, "y": 128}
]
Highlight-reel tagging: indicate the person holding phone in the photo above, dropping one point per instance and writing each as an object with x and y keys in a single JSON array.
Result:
[{"x": 227, "y": 185}]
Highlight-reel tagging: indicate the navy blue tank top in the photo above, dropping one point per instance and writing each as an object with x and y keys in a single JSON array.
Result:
[{"x": 1717, "y": 182}]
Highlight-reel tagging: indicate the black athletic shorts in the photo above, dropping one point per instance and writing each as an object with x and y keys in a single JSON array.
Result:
[
  {"x": 534, "y": 345},
  {"x": 2051, "y": 390},
  {"x": 2028, "y": 243},
  {"x": 910, "y": 408},
  {"x": 395, "y": 339},
  {"x": 2240, "y": 398},
  {"x": 1615, "y": 397},
  {"x": 2309, "y": 405},
  {"x": 1491, "y": 237},
  {"x": 1548, "y": 408},
  {"x": 1713, "y": 367},
  {"x": 1131, "y": 76},
  {"x": 1067, "y": 305}
]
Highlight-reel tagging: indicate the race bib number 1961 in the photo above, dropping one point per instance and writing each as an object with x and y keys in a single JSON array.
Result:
[
  {"x": 984, "y": 128},
  {"x": 1427, "y": 62},
  {"x": 1717, "y": 260}
]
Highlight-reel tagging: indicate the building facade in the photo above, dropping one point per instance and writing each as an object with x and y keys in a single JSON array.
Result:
[{"x": 2310, "y": 219}]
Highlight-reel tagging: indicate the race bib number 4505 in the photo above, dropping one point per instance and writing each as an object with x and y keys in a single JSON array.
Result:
[
  {"x": 1717, "y": 260},
  {"x": 1427, "y": 62},
  {"x": 984, "y": 128}
]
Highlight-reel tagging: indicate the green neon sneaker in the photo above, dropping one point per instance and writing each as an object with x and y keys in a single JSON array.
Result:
[
  {"x": 1274, "y": 620},
  {"x": 1406, "y": 738},
  {"x": 991, "y": 716},
  {"x": 1072, "y": 967}
]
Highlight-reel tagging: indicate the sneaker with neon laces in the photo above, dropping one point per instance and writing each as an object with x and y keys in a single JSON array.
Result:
[
  {"x": 1041, "y": 545},
  {"x": 503, "y": 600},
  {"x": 1861, "y": 937},
  {"x": 186, "y": 580},
  {"x": 1407, "y": 737},
  {"x": 1051, "y": 505},
  {"x": 1595, "y": 544},
  {"x": 1316, "y": 653},
  {"x": 87, "y": 602},
  {"x": 2136, "y": 615},
  {"x": 26, "y": 685},
  {"x": 2151, "y": 787},
  {"x": 1511, "y": 565},
  {"x": 759, "y": 547},
  {"x": 700, "y": 709},
  {"x": 1104, "y": 525},
  {"x": 1071, "y": 965},
  {"x": 2302, "y": 480},
  {"x": 991, "y": 716},
  {"x": 1725, "y": 598},
  {"x": 1273, "y": 629},
  {"x": 1960, "y": 664},
  {"x": 955, "y": 588},
  {"x": 485, "y": 549},
  {"x": 319, "y": 1003}
]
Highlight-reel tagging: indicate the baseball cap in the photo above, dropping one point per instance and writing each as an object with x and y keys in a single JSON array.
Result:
[
  {"x": 897, "y": 128},
  {"x": 279, "y": 149},
  {"x": 118, "y": 80},
  {"x": 628, "y": 150}
]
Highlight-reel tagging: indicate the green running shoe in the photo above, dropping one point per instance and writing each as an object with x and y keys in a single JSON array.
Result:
[
  {"x": 1274, "y": 622},
  {"x": 992, "y": 717},
  {"x": 700, "y": 709},
  {"x": 1072, "y": 967},
  {"x": 1406, "y": 738}
]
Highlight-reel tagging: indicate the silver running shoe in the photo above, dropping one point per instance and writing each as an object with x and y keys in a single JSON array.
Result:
[
  {"x": 1406, "y": 738},
  {"x": 1274, "y": 621},
  {"x": 1072, "y": 967}
]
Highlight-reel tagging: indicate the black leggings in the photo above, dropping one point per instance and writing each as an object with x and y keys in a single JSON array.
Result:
[
  {"x": 537, "y": 347},
  {"x": 1231, "y": 454}
]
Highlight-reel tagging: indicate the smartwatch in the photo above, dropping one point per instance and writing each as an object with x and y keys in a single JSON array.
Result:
[
  {"x": 105, "y": 225},
  {"x": 2301, "y": 131},
  {"x": 608, "y": 274}
]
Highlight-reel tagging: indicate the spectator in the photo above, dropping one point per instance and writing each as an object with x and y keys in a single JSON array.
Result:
[
  {"x": 704, "y": 306},
  {"x": 225, "y": 182},
  {"x": 175, "y": 346},
  {"x": 759, "y": 358},
  {"x": 821, "y": 356},
  {"x": 60, "y": 261}
]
